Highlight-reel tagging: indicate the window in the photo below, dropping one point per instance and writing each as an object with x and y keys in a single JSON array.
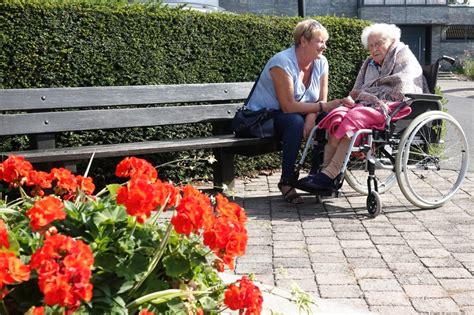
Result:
[{"x": 458, "y": 32}]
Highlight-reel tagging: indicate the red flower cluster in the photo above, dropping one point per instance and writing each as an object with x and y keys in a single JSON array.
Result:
[
  {"x": 144, "y": 192},
  {"x": 12, "y": 269},
  {"x": 17, "y": 171},
  {"x": 45, "y": 211},
  {"x": 245, "y": 295},
  {"x": 64, "y": 270}
]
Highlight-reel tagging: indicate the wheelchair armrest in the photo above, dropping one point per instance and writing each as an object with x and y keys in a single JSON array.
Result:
[{"x": 424, "y": 97}]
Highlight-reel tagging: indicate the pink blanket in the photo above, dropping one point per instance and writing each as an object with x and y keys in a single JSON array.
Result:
[{"x": 344, "y": 121}]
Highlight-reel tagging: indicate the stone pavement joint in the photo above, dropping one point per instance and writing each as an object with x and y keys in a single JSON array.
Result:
[{"x": 405, "y": 261}]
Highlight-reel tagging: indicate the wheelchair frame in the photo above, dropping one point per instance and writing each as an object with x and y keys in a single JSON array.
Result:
[{"x": 419, "y": 148}]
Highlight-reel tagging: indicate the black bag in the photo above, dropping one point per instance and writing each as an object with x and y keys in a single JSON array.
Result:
[{"x": 254, "y": 124}]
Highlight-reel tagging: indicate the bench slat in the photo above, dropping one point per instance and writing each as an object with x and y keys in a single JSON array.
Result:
[
  {"x": 77, "y": 97},
  {"x": 33, "y": 123},
  {"x": 139, "y": 148}
]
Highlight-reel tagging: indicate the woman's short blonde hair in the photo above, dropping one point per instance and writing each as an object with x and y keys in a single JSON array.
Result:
[
  {"x": 389, "y": 31},
  {"x": 309, "y": 28}
]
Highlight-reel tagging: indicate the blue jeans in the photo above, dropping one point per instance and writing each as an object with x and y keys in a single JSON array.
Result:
[{"x": 289, "y": 130}]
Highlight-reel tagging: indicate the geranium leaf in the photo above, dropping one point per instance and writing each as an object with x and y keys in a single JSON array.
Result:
[
  {"x": 208, "y": 303},
  {"x": 176, "y": 265},
  {"x": 110, "y": 216},
  {"x": 112, "y": 188}
]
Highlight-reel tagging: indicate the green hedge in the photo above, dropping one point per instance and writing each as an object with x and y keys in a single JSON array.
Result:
[{"x": 54, "y": 43}]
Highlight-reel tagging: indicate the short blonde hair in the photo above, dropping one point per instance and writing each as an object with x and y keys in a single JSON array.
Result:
[
  {"x": 390, "y": 31},
  {"x": 309, "y": 28}
]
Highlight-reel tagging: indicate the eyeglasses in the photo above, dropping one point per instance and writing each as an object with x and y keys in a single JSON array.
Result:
[{"x": 311, "y": 27}]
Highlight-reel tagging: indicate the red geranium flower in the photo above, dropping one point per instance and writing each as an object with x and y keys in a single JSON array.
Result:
[
  {"x": 45, "y": 211},
  {"x": 244, "y": 296},
  {"x": 132, "y": 166},
  {"x": 15, "y": 169},
  {"x": 4, "y": 235},
  {"x": 64, "y": 270}
]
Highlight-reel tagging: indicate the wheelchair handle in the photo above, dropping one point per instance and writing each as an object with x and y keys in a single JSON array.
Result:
[{"x": 450, "y": 60}]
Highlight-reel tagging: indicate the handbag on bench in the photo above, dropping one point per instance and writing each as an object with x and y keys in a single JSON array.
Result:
[{"x": 253, "y": 124}]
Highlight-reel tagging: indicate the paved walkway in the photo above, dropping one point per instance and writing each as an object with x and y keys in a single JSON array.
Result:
[{"x": 405, "y": 261}]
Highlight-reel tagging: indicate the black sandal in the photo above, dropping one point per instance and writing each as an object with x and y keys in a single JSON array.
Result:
[{"x": 290, "y": 195}]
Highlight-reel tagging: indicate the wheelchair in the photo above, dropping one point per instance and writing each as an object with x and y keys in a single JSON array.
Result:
[{"x": 426, "y": 153}]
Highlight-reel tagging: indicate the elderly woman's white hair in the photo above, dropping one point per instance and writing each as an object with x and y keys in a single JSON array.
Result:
[{"x": 389, "y": 31}]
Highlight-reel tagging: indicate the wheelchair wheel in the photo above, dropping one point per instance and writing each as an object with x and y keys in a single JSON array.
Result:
[
  {"x": 374, "y": 205},
  {"x": 432, "y": 159},
  {"x": 356, "y": 173}
]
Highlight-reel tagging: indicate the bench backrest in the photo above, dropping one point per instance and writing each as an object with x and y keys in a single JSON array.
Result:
[{"x": 47, "y": 110}]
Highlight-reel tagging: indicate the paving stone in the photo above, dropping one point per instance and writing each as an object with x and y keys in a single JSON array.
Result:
[
  {"x": 432, "y": 252},
  {"x": 448, "y": 262},
  {"x": 331, "y": 278},
  {"x": 293, "y": 244},
  {"x": 322, "y": 240},
  {"x": 457, "y": 285},
  {"x": 319, "y": 232},
  {"x": 425, "y": 291},
  {"x": 291, "y": 263},
  {"x": 464, "y": 257},
  {"x": 340, "y": 291},
  {"x": 293, "y": 273},
  {"x": 288, "y": 236},
  {"x": 387, "y": 298},
  {"x": 357, "y": 244},
  {"x": 417, "y": 279},
  {"x": 388, "y": 240},
  {"x": 418, "y": 236},
  {"x": 307, "y": 285},
  {"x": 450, "y": 273},
  {"x": 361, "y": 252},
  {"x": 400, "y": 258},
  {"x": 394, "y": 310},
  {"x": 464, "y": 298},
  {"x": 256, "y": 268},
  {"x": 326, "y": 248},
  {"x": 357, "y": 304},
  {"x": 248, "y": 259},
  {"x": 394, "y": 249},
  {"x": 331, "y": 267},
  {"x": 353, "y": 236},
  {"x": 379, "y": 285},
  {"x": 366, "y": 262},
  {"x": 407, "y": 268},
  {"x": 438, "y": 306},
  {"x": 409, "y": 227},
  {"x": 373, "y": 273},
  {"x": 332, "y": 257}
]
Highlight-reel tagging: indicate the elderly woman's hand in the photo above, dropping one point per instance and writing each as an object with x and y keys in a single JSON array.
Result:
[{"x": 348, "y": 102}]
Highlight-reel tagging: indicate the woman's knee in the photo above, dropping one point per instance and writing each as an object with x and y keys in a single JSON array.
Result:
[{"x": 290, "y": 122}]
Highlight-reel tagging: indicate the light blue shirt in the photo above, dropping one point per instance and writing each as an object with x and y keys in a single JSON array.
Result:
[{"x": 264, "y": 95}]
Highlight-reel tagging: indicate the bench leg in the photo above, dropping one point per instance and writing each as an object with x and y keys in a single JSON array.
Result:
[{"x": 223, "y": 169}]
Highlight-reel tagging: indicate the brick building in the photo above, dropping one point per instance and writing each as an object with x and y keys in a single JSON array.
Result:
[{"x": 431, "y": 28}]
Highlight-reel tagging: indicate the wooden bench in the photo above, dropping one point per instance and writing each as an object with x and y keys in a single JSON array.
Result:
[{"x": 42, "y": 113}]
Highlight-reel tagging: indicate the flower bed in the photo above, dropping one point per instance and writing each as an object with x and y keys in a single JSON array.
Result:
[{"x": 65, "y": 250}]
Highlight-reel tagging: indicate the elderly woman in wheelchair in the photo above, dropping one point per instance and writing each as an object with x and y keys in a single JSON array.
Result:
[{"x": 387, "y": 89}]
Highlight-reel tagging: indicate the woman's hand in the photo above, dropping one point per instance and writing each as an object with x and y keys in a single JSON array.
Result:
[
  {"x": 309, "y": 123},
  {"x": 348, "y": 102}
]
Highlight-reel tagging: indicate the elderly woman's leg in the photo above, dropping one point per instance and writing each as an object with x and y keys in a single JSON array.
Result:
[
  {"x": 333, "y": 168},
  {"x": 289, "y": 128}
]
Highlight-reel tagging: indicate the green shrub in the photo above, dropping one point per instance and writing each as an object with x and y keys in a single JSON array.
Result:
[{"x": 101, "y": 43}]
